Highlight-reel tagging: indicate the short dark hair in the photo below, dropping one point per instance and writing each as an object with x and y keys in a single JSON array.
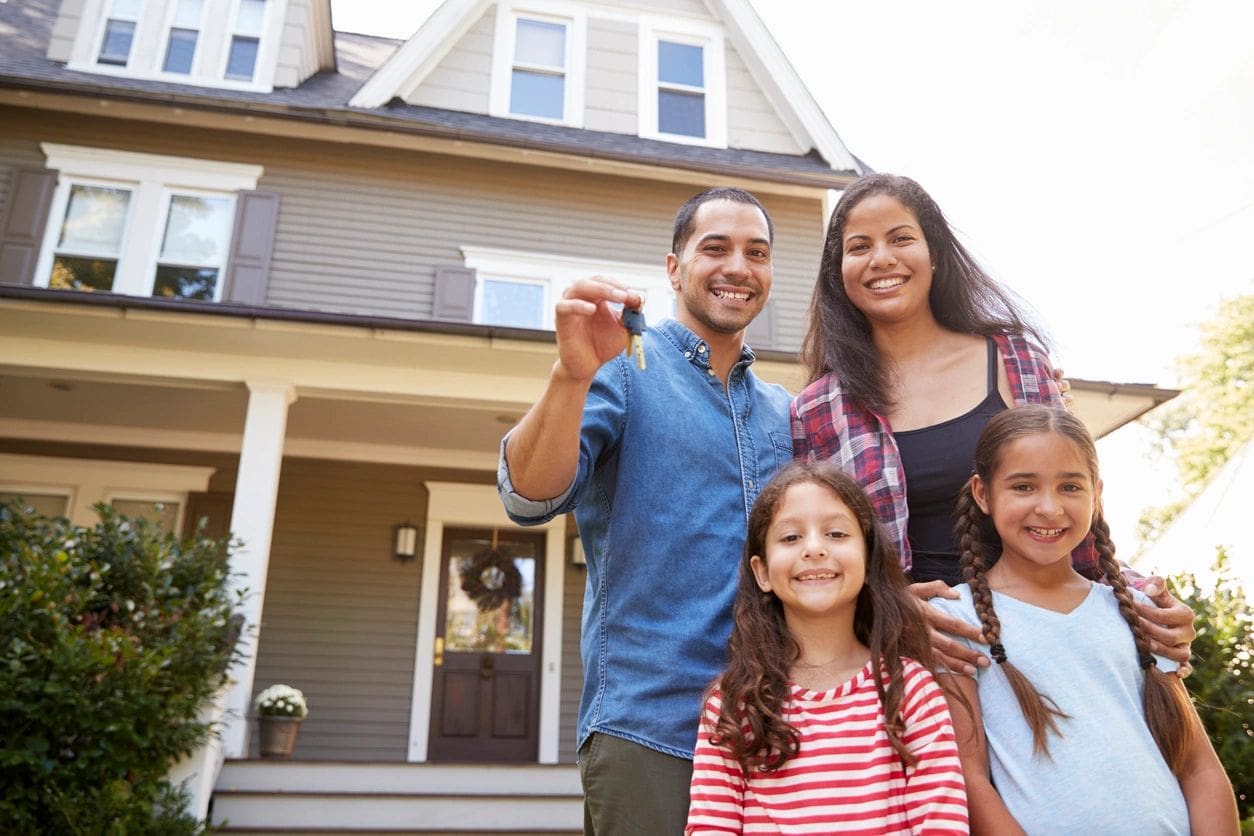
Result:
[{"x": 683, "y": 218}]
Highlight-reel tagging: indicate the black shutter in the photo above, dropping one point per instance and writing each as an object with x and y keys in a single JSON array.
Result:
[
  {"x": 23, "y": 223},
  {"x": 252, "y": 245},
  {"x": 454, "y": 297}
]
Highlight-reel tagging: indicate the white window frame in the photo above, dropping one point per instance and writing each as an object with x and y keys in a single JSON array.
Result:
[
  {"x": 153, "y": 179},
  {"x": 711, "y": 40},
  {"x": 106, "y": 7},
  {"x": 575, "y": 21},
  {"x": 66, "y": 491},
  {"x": 558, "y": 272},
  {"x": 131, "y": 495},
  {"x": 152, "y": 32}
]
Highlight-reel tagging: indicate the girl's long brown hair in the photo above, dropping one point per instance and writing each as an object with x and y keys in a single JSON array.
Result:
[
  {"x": 1168, "y": 712},
  {"x": 755, "y": 687}
]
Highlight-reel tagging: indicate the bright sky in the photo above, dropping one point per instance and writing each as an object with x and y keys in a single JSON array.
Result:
[{"x": 1098, "y": 157}]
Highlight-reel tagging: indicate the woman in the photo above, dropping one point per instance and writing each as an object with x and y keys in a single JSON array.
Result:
[{"x": 912, "y": 347}]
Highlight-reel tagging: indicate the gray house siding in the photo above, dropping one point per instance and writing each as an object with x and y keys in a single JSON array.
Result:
[
  {"x": 752, "y": 121},
  {"x": 572, "y": 663},
  {"x": 613, "y": 71},
  {"x": 64, "y": 30},
  {"x": 463, "y": 77},
  {"x": 298, "y": 56}
]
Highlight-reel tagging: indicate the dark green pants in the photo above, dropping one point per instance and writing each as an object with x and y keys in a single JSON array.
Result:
[{"x": 632, "y": 790}]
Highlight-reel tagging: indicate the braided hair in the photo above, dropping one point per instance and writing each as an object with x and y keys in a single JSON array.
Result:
[{"x": 1167, "y": 707}]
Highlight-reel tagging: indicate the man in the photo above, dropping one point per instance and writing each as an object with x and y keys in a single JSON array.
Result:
[{"x": 661, "y": 468}]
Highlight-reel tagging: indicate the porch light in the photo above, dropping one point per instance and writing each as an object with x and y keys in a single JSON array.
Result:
[{"x": 405, "y": 542}]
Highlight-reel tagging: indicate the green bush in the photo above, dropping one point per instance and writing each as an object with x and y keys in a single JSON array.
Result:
[
  {"x": 1222, "y": 683},
  {"x": 112, "y": 639}
]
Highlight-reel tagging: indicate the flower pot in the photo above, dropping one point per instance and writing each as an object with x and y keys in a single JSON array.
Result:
[{"x": 278, "y": 736}]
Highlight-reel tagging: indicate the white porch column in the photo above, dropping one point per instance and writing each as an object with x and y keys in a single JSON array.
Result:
[{"x": 252, "y": 520}]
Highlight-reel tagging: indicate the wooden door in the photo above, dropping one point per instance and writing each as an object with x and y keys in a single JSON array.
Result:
[{"x": 485, "y": 701}]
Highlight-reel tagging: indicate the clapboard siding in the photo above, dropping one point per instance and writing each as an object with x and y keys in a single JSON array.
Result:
[
  {"x": 572, "y": 662},
  {"x": 64, "y": 30},
  {"x": 363, "y": 231},
  {"x": 610, "y": 103},
  {"x": 463, "y": 78},
  {"x": 752, "y": 121}
]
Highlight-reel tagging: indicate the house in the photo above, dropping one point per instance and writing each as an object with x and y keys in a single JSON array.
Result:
[{"x": 298, "y": 282}]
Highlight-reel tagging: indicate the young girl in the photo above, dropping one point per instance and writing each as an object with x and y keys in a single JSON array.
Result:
[
  {"x": 1077, "y": 726},
  {"x": 826, "y": 718}
]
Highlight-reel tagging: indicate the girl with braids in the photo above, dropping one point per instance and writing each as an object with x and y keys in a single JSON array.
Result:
[
  {"x": 1077, "y": 727},
  {"x": 911, "y": 348},
  {"x": 827, "y": 718}
]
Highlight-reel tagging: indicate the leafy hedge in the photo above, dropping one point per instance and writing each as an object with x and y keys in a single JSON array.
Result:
[
  {"x": 1222, "y": 682},
  {"x": 112, "y": 639}
]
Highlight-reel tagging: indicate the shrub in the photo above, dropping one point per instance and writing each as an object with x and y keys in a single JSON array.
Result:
[
  {"x": 1222, "y": 682},
  {"x": 112, "y": 639}
]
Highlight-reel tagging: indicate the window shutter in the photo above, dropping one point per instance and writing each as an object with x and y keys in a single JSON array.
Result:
[
  {"x": 454, "y": 297},
  {"x": 252, "y": 244},
  {"x": 761, "y": 331},
  {"x": 23, "y": 223}
]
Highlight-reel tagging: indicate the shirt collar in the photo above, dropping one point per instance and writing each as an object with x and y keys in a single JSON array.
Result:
[{"x": 695, "y": 349}]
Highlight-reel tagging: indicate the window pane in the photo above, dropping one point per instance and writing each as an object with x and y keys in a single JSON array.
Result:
[
  {"x": 128, "y": 9},
  {"x": 542, "y": 43},
  {"x": 196, "y": 230},
  {"x": 187, "y": 14},
  {"x": 681, "y": 113},
  {"x": 481, "y": 617},
  {"x": 537, "y": 94},
  {"x": 44, "y": 504},
  {"x": 94, "y": 220},
  {"x": 185, "y": 282},
  {"x": 164, "y": 514},
  {"x": 243, "y": 59},
  {"x": 680, "y": 64},
  {"x": 512, "y": 303},
  {"x": 252, "y": 14},
  {"x": 179, "y": 54},
  {"x": 116, "y": 47},
  {"x": 82, "y": 273}
]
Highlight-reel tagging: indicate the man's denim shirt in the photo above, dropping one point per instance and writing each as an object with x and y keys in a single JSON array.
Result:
[{"x": 670, "y": 463}]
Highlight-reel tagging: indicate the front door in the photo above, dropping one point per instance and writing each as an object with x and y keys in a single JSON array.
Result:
[{"x": 486, "y": 685}]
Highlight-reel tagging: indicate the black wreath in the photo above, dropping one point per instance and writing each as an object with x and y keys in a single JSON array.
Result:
[{"x": 486, "y": 597}]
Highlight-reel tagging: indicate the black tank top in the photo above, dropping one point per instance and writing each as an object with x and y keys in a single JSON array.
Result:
[{"x": 937, "y": 461}]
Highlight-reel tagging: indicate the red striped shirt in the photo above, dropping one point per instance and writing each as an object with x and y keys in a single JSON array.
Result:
[{"x": 846, "y": 775}]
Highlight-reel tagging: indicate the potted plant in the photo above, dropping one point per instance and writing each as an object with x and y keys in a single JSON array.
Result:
[{"x": 280, "y": 710}]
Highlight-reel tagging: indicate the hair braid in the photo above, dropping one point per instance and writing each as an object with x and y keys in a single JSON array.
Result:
[
  {"x": 1040, "y": 711},
  {"x": 1167, "y": 707}
]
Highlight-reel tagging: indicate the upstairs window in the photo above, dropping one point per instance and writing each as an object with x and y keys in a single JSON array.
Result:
[
  {"x": 140, "y": 224},
  {"x": 682, "y": 85},
  {"x": 180, "y": 50},
  {"x": 241, "y": 62},
  {"x": 538, "y": 64},
  {"x": 119, "y": 32}
]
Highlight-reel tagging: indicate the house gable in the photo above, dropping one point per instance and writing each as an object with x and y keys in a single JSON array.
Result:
[
  {"x": 721, "y": 82},
  {"x": 245, "y": 45}
]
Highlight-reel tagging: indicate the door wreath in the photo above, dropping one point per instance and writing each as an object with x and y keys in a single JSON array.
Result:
[{"x": 490, "y": 579}]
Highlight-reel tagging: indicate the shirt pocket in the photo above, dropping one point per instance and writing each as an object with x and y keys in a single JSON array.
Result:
[{"x": 781, "y": 445}]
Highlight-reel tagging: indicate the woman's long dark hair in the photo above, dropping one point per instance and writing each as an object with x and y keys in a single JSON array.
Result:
[
  {"x": 963, "y": 298},
  {"x": 1168, "y": 712},
  {"x": 755, "y": 687}
]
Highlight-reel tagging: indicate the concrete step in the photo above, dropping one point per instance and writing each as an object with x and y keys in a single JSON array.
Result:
[{"x": 307, "y": 797}]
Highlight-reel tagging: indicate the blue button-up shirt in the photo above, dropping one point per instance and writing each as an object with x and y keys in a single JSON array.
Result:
[{"x": 670, "y": 463}]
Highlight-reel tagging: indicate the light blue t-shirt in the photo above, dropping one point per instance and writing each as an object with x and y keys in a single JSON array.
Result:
[{"x": 1104, "y": 774}]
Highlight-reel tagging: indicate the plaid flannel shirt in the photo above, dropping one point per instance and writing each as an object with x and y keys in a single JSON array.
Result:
[{"x": 828, "y": 425}]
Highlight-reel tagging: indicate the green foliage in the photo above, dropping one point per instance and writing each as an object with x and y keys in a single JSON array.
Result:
[
  {"x": 1214, "y": 415},
  {"x": 112, "y": 639},
  {"x": 1222, "y": 682}
]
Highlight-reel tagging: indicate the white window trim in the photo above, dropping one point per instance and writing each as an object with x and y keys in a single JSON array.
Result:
[
  {"x": 66, "y": 491},
  {"x": 89, "y": 481},
  {"x": 576, "y": 22},
  {"x": 133, "y": 495},
  {"x": 152, "y": 33},
  {"x": 559, "y": 272},
  {"x": 152, "y": 179},
  {"x": 711, "y": 39}
]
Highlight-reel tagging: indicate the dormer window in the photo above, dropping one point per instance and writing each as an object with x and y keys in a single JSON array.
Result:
[
  {"x": 538, "y": 66},
  {"x": 217, "y": 43},
  {"x": 119, "y": 32},
  {"x": 241, "y": 63},
  {"x": 180, "y": 49},
  {"x": 682, "y": 84}
]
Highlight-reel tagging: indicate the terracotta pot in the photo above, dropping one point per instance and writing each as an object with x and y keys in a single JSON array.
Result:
[{"x": 278, "y": 736}]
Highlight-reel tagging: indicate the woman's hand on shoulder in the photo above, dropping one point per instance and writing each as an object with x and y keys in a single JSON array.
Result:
[
  {"x": 953, "y": 655},
  {"x": 1169, "y": 624}
]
